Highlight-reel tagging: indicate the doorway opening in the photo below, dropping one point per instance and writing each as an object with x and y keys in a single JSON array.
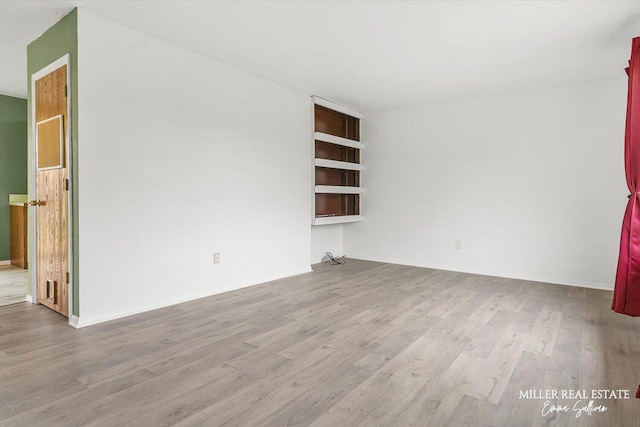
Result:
[{"x": 13, "y": 197}]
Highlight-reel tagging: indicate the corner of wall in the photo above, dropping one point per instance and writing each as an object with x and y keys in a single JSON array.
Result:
[{"x": 326, "y": 238}]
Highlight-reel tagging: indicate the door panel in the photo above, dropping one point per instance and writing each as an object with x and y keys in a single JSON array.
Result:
[
  {"x": 50, "y": 143},
  {"x": 52, "y": 220}
]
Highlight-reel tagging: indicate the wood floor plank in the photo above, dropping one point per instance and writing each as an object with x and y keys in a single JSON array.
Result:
[
  {"x": 328, "y": 420},
  {"x": 13, "y": 285},
  {"x": 470, "y": 412},
  {"x": 185, "y": 399},
  {"x": 526, "y": 376},
  {"x": 545, "y": 331}
]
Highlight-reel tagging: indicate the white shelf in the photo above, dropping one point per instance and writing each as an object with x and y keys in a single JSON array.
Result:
[
  {"x": 337, "y": 107},
  {"x": 320, "y": 136},
  {"x": 338, "y": 219},
  {"x": 335, "y": 164},
  {"x": 338, "y": 189}
]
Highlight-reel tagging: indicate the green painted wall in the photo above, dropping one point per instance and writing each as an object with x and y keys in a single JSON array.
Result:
[
  {"x": 57, "y": 41},
  {"x": 13, "y": 160}
]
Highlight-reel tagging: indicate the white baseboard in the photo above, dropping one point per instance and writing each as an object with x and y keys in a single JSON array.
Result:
[
  {"x": 74, "y": 321},
  {"x": 29, "y": 298},
  {"x": 80, "y": 322},
  {"x": 5, "y": 262},
  {"x": 580, "y": 283}
]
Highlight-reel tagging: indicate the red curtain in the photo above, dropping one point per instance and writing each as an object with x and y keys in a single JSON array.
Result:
[{"x": 626, "y": 296}]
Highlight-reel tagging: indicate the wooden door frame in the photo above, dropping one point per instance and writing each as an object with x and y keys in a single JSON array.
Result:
[{"x": 33, "y": 250}]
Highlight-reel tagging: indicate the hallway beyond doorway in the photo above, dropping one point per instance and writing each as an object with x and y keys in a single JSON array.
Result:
[{"x": 13, "y": 284}]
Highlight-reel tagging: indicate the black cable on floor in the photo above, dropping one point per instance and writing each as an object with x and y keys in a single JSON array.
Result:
[{"x": 333, "y": 260}]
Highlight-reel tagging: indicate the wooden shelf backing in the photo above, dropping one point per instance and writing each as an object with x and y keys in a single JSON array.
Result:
[
  {"x": 337, "y": 204},
  {"x": 336, "y": 123},
  {"x": 337, "y": 177},
  {"x": 340, "y": 153}
]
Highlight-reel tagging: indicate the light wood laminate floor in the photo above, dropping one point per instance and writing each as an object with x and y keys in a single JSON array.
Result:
[
  {"x": 363, "y": 344},
  {"x": 13, "y": 284}
]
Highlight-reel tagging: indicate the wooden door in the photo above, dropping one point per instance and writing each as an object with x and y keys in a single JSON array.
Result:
[{"x": 52, "y": 246}]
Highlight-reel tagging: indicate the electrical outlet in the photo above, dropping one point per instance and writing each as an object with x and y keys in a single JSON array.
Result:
[
  {"x": 458, "y": 244},
  {"x": 216, "y": 257}
]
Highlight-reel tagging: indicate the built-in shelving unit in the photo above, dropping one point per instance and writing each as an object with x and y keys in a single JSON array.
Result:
[{"x": 337, "y": 180}]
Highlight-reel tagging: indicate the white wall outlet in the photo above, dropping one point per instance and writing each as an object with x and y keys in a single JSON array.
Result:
[
  {"x": 458, "y": 244},
  {"x": 216, "y": 257}
]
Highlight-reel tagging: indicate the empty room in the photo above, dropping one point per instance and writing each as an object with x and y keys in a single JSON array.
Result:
[{"x": 319, "y": 213}]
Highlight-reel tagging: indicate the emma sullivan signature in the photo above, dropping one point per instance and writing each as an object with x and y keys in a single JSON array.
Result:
[{"x": 578, "y": 408}]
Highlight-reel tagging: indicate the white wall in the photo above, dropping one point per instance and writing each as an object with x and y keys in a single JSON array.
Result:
[
  {"x": 326, "y": 238},
  {"x": 181, "y": 156},
  {"x": 532, "y": 183}
]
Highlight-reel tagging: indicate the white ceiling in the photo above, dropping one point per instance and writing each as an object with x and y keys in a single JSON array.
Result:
[{"x": 371, "y": 55}]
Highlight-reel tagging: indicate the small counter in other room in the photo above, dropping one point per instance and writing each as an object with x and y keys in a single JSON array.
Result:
[{"x": 18, "y": 229}]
